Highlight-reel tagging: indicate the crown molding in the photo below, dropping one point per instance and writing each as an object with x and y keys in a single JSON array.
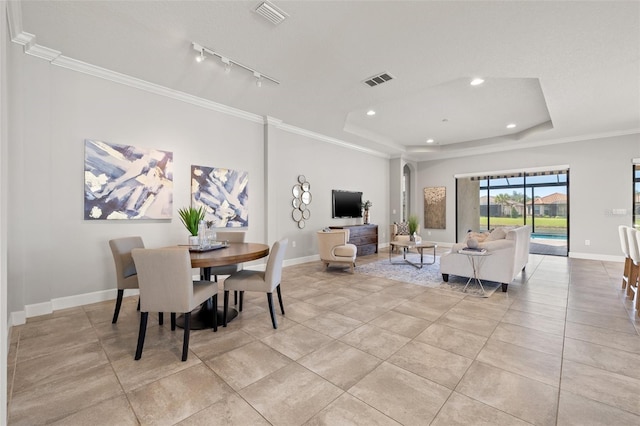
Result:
[
  {"x": 127, "y": 80},
  {"x": 55, "y": 57},
  {"x": 14, "y": 19},
  {"x": 272, "y": 121},
  {"x": 323, "y": 138},
  {"x": 42, "y": 52}
]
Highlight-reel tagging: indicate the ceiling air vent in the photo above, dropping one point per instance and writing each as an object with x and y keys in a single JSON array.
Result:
[
  {"x": 378, "y": 79},
  {"x": 271, "y": 13}
]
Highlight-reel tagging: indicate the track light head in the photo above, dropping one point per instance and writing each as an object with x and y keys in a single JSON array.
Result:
[
  {"x": 200, "y": 51},
  {"x": 227, "y": 64},
  {"x": 258, "y": 77}
]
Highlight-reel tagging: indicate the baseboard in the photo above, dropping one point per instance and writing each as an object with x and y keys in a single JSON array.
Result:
[
  {"x": 37, "y": 309},
  {"x": 89, "y": 298},
  {"x": 592, "y": 256},
  {"x": 301, "y": 260},
  {"x": 45, "y": 308}
]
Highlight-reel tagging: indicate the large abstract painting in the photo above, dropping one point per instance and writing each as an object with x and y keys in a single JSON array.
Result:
[
  {"x": 125, "y": 182},
  {"x": 223, "y": 193},
  {"x": 435, "y": 207}
]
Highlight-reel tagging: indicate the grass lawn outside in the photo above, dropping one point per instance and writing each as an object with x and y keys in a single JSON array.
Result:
[{"x": 544, "y": 225}]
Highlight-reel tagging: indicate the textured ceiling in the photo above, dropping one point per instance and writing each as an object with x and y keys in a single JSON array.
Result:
[{"x": 560, "y": 70}]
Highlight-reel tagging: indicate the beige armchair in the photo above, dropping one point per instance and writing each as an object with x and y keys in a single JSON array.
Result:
[
  {"x": 334, "y": 247},
  {"x": 397, "y": 235},
  {"x": 401, "y": 235}
]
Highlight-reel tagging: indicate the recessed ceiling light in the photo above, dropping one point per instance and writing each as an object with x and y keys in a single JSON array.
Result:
[
  {"x": 429, "y": 140},
  {"x": 511, "y": 126},
  {"x": 371, "y": 112},
  {"x": 477, "y": 81}
]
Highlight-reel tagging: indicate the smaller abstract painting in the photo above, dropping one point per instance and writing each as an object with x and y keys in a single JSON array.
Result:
[
  {"x": 223, "y": 193},
  {"x": 125, "y": 182},
  {"x": 435, "y": 207}
]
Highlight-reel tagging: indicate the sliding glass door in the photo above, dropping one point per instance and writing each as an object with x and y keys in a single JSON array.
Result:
[{"x": 538, "y": 199}]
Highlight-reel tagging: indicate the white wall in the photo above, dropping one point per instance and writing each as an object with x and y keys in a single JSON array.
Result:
[
  {"x": 53, "y": 253},
  {"x": 600, "y": 180},
  {"x": 326, "y": 167}
]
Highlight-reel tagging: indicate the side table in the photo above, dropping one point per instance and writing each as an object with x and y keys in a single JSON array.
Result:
[{"x": 475, "y": 259}]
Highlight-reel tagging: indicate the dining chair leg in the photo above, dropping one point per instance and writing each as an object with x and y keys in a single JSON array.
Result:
[
  {"x": 160, "y": 318},
  {"x": 632, "y": 279},
  {"x": 215, "y": 312},
  {"x": 187, "y": 330},
  {"x": 138, "y": 308},
  {"x": 241, "y": 299},
  {"x": 272, "y": 310},
  {"x": 225, "y": 306},
  {"x": 280, "y": 299},
  {"x": 235, "y": 297},
  {"x": 118, "y": 305},
  {"x": 141, "y": 333},
  {"x": 627, "y": 269},
  {"x": 173, "y": 321}
]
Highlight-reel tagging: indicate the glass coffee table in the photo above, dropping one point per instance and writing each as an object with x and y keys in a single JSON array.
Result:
[{"x": 408, "y": 245}]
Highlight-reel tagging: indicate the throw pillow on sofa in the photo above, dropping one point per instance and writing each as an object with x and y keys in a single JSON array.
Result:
[
  {"x": 478, "y": 236},
  {"x": 497, "y": 234},
  {"x": 403, "y": 228}
]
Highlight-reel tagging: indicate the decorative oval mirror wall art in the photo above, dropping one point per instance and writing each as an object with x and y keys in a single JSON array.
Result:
[{"x": 301, "y": 199}]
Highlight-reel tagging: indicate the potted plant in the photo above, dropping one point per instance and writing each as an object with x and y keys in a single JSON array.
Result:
[
  {"x": 366, "y": 205},
  {"x": 191, "y": 217},
  {"x": 413, "y": 226}
]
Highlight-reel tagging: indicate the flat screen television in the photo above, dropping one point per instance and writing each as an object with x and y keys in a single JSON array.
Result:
[{"x": 346, "y": 204}]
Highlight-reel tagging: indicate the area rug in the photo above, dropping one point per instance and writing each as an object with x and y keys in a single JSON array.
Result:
[{"x": 428, "y": 276}]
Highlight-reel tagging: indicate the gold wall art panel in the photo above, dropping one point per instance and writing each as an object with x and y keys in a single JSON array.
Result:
[{"x": 435, "y": 207}]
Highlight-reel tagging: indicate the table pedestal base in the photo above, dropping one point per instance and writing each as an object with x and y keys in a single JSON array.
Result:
[{"x": 201, "y": 317}]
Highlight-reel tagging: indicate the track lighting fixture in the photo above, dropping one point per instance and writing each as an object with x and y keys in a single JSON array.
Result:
[{"x": 227, "y": 62}]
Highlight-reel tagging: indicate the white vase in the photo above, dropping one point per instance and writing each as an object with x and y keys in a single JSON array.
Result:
[{"x": 193, "y": 240}]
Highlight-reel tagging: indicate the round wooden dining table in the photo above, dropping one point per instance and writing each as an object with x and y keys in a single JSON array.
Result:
[{"x": 231, "y": 254}]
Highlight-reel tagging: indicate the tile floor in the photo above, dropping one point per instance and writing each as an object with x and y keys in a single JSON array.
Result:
[{"x": 561, "y": 347}]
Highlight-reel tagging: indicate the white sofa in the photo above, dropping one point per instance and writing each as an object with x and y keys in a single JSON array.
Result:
[{"x": 509, "y": 253}]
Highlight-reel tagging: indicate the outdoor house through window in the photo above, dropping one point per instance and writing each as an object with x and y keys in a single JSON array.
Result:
[{"x": 536, "y": 198}]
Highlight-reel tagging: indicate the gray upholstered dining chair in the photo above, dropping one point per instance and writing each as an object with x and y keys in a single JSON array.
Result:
[
  {"x": 126, "y": 276},
  {"x": 266, "y": 282},
  {"x": 166, "y": 285},
  {"x": 232, "y": 237}
]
